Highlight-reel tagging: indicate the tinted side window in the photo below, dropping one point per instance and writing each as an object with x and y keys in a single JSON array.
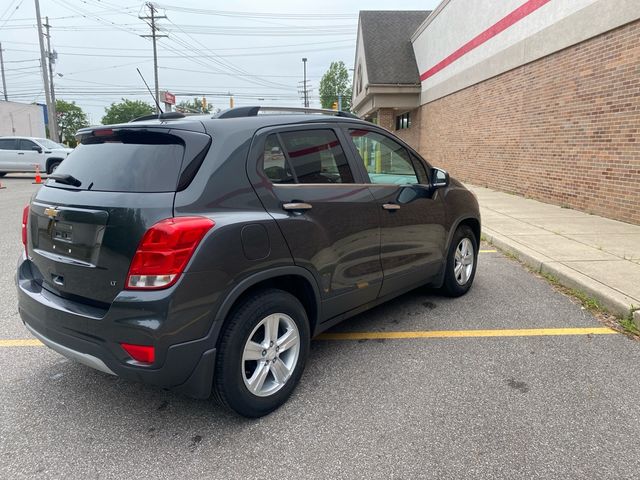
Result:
[
  {"x": 26, "y": 145},
  {"x": 275, "y": 164},
  {"x": 386, "y": 161},
  {"x": 316, "y": 156},
  {"x": 8, "y": 144}
]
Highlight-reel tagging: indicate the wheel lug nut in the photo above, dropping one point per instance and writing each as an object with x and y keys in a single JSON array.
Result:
[
  {"x": 271, "y": 344},
  {"x": 277, "y": 349},
  {"x": 264, "y": 352}
]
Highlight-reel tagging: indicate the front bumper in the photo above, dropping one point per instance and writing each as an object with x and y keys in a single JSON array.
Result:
[{"x": 92, "y": 336}]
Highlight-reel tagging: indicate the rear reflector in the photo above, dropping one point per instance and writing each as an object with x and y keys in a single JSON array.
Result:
[
  {"x": 140, "y": 353},
  {"x": 164, "y": 252},
  {"x": 25, "y": 221}
]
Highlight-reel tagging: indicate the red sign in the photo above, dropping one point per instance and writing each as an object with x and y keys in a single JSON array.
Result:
[{"x": 169, "y": 98}]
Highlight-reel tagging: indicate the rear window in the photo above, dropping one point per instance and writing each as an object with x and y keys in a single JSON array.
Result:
[{"x": 125, "y": 162}]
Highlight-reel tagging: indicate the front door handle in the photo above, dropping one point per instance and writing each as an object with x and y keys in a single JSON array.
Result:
[
  {"x": 20, "y": 153},
  {"x": 297, "y": 206},
  {"x": 391, "y": 206}
]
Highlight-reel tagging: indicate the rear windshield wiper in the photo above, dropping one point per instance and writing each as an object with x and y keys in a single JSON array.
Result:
[{"x": 66, "y": 178}]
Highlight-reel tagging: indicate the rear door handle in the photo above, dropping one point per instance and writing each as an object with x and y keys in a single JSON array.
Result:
[
  {"x": 297, "y": 206},
  {"x": 391, "y": 206},
  {"x": 20, "y": 153}
]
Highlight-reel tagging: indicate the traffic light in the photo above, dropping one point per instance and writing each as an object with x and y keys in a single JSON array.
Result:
[
  {"x": 204, "y": 104},
  {"x": 334, "y": 106}
]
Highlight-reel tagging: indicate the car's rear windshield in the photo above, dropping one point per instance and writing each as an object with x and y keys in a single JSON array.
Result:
[{"x": 127, "y": 161}]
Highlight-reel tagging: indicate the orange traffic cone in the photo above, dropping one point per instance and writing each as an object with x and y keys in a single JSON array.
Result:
[{"x": 38, "y": 177}]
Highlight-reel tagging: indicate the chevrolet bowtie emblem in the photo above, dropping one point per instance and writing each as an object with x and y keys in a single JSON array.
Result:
[{"x": 51, "y": 212}]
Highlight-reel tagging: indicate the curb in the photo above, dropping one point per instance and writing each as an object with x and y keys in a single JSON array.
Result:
[{"x": 615, "y": 302}]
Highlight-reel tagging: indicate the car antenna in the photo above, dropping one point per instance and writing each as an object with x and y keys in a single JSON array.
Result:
[{"x": 152, "y": 96}]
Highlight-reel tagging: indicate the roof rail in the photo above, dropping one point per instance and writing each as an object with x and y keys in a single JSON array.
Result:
[
  {"x": 159, "y": 116},
  {"x": 240, "y": 112}
]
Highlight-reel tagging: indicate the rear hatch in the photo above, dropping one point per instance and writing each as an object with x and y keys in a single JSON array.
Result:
[{"x": 87, "y": 221}]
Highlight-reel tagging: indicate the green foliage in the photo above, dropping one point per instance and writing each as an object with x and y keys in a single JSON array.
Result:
[
  {"x": 193, "y": 107},
  {"x": 336, "y": 81},
  {"x": 126, "y": 111},
  {"x": 71, "y": 118}
]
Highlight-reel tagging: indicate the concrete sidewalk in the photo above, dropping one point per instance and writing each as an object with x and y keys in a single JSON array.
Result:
[{"x": 596, "y": 255}]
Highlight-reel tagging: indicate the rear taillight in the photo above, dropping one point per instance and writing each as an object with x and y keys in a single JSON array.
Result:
[
  {"x": 164, "y": 252},
  {"x": 140, "y": 353},
  {"x": 25, "y": 221}
]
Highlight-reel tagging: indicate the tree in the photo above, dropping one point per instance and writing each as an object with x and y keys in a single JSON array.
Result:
[
  {"x": 126, "y": 111},
  {"x": 71, "y": 118},
  {"x": 194, "y": 107},
  {"x": 336, "y": 82}
]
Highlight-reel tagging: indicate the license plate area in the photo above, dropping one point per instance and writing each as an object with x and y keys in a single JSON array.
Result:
[{"x": 67, "y": 234}]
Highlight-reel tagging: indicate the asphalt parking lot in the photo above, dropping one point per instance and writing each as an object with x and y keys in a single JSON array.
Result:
[{"x": 539, "y": 403}]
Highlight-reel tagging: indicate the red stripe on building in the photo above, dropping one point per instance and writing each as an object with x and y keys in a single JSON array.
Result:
[{"x": 518, "y": 14}]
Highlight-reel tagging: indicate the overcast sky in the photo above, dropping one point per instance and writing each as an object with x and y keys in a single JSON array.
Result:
[{"x": 249, "y": 48}]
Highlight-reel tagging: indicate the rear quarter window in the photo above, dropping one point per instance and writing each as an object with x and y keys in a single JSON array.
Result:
[{"x": 128, "y": 162}]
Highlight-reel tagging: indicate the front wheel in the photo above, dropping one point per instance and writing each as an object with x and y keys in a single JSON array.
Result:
[
  {"x": 262, "y": 353},
  {"x": 53, "y": 167},
  {"x": 462, "y": 260}
]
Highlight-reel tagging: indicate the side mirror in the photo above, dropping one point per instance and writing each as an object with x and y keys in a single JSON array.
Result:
[
  {"x": 37, "y": 149},
  {"x": 439, "y": 178}
]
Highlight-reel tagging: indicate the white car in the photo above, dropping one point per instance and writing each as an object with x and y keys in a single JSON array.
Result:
[{"x": 22, "y": 154}]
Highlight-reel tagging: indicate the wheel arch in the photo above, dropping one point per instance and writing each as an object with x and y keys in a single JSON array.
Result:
[
  {"x": 469, "y": 220},
  {"x": 50, "y": 161},
  {"x": 293, "y": 279}
]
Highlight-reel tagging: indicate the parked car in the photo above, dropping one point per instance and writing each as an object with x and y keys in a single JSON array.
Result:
[
  {"x": 202, "y": 254},
  {"x": 22, "y": 154}
]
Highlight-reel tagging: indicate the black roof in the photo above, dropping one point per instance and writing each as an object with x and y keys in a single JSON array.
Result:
[{"x": 386, "y": 37}]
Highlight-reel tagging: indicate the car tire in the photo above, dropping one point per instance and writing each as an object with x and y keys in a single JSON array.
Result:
[
  {"x": 462, "y": 260},
  {"x": 53, "y": 166},
  {"x": 258, "y": 366}
]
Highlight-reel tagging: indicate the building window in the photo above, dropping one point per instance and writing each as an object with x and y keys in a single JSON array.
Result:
[
  {"x": 403, "y": 121},
  {"x": 359, "y": 80}
]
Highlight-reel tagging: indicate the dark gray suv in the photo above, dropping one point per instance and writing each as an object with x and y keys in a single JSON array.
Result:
[{"x": 202, "y": 254}]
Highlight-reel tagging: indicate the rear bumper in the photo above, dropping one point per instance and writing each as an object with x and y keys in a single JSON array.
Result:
[
  {"x": 92, "y": 336},
  {"x": 84, "y": 358}
]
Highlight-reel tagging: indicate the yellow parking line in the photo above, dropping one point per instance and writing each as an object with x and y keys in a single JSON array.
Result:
[
  {"x": 488, "y": 251},
  {"x": 21, "y": 342},
  {"x": 521, "y": 332}
]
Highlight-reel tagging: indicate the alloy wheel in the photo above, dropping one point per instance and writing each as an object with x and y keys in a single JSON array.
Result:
[{"x": 270, "y": 354}]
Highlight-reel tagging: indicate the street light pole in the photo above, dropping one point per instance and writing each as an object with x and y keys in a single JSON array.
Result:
[
  {"x": 304, "y": 85},
  {"x": 43, "y": 65},
  {"x": 54, "y": 111},
  {"x": 153, "y": 17},
  {"x": 4, "y": 82}
]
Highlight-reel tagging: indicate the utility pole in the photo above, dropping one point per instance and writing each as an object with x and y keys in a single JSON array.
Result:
[
  {"x": 45, "y": 80},
  {"x": 304, "y": 85},
  {"x": 4, "y": 82},
  {"x": 153, "y": 17},
  {"x": 54, "y": 134}
]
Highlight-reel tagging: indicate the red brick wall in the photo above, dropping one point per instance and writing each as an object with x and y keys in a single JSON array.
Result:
[{"x": 564, "y": 129}]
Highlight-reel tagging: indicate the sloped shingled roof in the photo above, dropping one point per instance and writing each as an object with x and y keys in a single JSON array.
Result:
[{"x": 386, "y": 37}]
